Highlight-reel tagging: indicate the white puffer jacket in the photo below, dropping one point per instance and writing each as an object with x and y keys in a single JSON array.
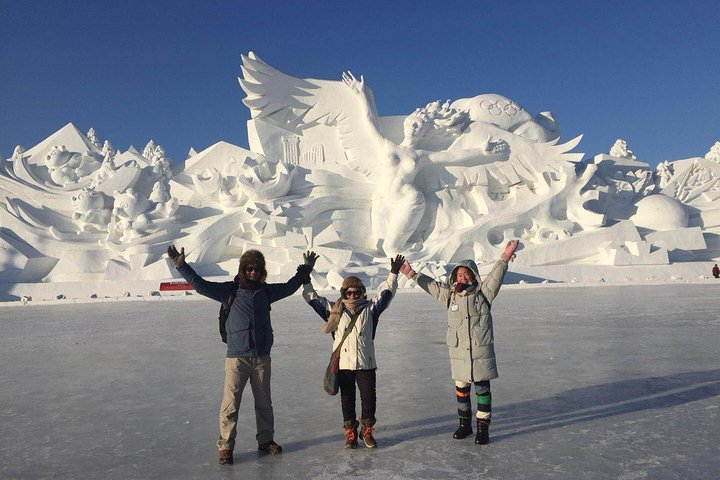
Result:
[{"x": 358, "y": 351}]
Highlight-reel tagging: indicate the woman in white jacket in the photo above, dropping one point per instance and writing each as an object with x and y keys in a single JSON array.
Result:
[{"x": 357, "y": 357}]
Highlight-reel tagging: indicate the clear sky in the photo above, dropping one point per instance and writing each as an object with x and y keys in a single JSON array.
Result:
[{"x": 646, "y": 71}]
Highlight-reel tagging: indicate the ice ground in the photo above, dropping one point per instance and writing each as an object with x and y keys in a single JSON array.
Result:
[{"x": 596, "y": 383}]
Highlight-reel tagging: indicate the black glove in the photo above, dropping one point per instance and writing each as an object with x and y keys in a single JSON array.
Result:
[
  {"x": 396, "y": 263},
  {"x": 304, "y": 272},
  {"x": 178, "y": 258},
  {"x": 310, "y": 258}
]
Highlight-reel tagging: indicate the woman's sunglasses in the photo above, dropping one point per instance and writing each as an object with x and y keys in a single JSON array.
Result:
[{"x": 354, "y": 293}]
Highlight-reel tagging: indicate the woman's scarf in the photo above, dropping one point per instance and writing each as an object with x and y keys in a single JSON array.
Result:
[{"x": 352, "y": 305}]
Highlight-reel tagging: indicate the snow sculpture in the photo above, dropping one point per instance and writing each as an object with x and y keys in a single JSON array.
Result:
[
  {"x": 663, "y": 173},
  {"x": 431, "y": 137},
  {"x": 149, "y": 150},
  {"x": 714, "y": 153},
  {"x": 17, "y": 153},
  {"x": 451, "y": 180},
  {"x": 128, "y": 216},
  {"x": 92, "y": 137},
  {"x": 660, "y": 212},
  {"x": 107, "y": 149},
  {"x": 621, "y": 150},
  {"x": 91, "y": 210},
  {"x": 68, "y": 168},
  {"x": 506, "y": 114}
]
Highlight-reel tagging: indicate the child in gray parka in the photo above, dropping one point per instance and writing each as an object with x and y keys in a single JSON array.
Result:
[{"x": 470, "y": 336}]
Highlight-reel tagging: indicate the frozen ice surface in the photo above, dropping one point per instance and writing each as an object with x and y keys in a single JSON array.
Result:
[{"x": 596, "y": 383}]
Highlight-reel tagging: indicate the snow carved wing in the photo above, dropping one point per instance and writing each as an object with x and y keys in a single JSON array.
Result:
[{"x": 298, "y": 104}]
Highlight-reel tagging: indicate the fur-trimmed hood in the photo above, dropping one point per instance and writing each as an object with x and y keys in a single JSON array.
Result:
[{"x": 467, "y": 264}]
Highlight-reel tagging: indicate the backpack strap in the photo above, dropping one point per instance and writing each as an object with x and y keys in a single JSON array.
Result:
[{"x": 225, "y": 313}]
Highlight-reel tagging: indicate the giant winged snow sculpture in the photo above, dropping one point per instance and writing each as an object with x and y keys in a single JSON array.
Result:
[{"x": 451, "y": 180}]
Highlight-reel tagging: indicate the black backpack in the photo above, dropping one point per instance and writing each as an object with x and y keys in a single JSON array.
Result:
[{"x": 224, "y": 313}]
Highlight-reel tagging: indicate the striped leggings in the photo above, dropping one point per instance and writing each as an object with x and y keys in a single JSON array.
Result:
[{"x": 482, "y": 396}]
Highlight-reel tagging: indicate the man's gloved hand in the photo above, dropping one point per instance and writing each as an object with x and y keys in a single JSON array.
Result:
[
  {"x": 304, "y": 273},
  {"x": 310, "y": 258},
  {"x": 178, "y": 258},
  {"x": 407, "y": 270},
  {"x": 396, "y": 263},
  {"x": 509, "y": 254}
]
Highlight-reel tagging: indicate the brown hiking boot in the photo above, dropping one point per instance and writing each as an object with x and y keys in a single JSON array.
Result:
[
  {"x": 225, "y": 457},
  {"x": 366, "y": 434},
  {"x": 270, "y": 447},
  {"x": 351, "y": 433}
]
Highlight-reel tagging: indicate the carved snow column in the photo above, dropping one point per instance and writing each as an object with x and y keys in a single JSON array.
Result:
[
  {"x": 315, "y": 157},
  {"x": 291, "y": 150}
]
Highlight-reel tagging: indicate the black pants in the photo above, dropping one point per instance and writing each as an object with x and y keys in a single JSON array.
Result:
[{"x": 365, "y": 380}]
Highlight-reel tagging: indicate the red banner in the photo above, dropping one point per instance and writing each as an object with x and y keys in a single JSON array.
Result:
[{"x": 169, "y": 286}]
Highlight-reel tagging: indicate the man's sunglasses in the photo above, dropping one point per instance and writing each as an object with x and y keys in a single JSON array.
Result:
[
  {"x": 353, "y": 293},
  {"x": 251, "y": 269}
]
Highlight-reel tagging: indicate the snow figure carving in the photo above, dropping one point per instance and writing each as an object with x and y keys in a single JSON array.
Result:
[
  {"x": 67, "y": 168},
  {"x": 430, "y": 138},
  {"x": 91, "y": 210},
  {"x": 128, "y": 216},
  {"x": 107, "y": 148},
  {"x": 106, "y": 170},
  {"x": 159, "y": 193},
  {"x": 663, "y": 173},
  {"x": 17, "y": 152},
  {"x": 160, "y": 164},
  {"x": 149, "y": 150},
  {"x": 621, "y": 150},
  {"x": 714, "y": 153},
  {"x": 92, "y": 136},
  {"x": 165, "y": 205}
]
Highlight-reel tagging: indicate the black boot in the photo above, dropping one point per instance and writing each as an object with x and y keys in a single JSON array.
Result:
[
  {"x": 464, "y": 430},
  {"x": 483, "y": 434}
]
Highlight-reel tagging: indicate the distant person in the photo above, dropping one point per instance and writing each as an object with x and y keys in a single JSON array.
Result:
[
  {"x": 716, "y": 271},
  {"x": 249, "y": 339},
  {"x": 470, "y": 334},
  {"x": 357, "y": 355}
]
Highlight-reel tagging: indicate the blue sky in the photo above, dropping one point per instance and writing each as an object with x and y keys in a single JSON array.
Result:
[{"x": 646, "y": 71}]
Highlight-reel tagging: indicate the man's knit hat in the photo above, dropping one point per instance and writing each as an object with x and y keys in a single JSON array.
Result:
[{"x": 255, "y": 259}]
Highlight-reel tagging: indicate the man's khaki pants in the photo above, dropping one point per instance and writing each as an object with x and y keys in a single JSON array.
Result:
[{"x": 237, "y": 372}]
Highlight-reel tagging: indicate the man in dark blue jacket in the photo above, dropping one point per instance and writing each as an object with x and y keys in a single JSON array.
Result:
[{"x": 249, "y": 340}]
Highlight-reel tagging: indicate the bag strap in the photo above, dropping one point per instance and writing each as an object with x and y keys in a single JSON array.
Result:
[{"x": 354, "y": 317}]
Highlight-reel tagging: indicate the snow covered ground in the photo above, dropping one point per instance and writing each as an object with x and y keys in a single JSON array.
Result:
[{"x": 596, "y": 383}]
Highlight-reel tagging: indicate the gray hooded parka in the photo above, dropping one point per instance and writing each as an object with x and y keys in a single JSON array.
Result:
[{"x": 470, "y": 331}]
